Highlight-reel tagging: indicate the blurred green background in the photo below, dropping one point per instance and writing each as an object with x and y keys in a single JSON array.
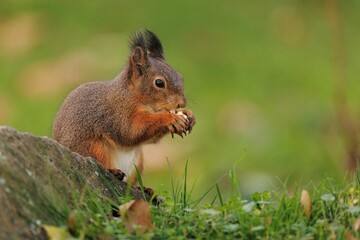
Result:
[{"x": 259, "y": 76}]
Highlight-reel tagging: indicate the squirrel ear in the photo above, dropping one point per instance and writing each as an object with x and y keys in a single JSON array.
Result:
[
  {"x": 139, "y": 56},
  {"x": 138, "y": 60}
]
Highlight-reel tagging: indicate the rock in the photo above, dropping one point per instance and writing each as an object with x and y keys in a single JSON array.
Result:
[{"x": 40, "y": 180}]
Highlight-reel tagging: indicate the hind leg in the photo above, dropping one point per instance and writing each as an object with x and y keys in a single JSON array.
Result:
[{"x": 100, "y": 149}]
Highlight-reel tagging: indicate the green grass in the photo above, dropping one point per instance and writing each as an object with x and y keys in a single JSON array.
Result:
[{"x": 274, "y": 214}]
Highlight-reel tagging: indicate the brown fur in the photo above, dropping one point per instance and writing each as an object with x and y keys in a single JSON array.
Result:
[{"x": 128, "y": 111}]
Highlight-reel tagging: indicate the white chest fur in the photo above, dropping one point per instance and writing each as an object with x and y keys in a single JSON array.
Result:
[{"x": 124, "y": 158}]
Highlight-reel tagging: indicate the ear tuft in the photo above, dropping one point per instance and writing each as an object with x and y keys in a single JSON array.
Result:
[{"x": 149, "y": 42}]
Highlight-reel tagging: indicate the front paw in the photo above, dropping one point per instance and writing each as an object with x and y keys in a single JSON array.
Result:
[
  {"x": 179, "y": 124},
  {"x": 191, "y": 119}
]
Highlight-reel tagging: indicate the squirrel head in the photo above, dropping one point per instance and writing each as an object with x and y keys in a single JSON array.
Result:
[{"x": 157, "y": 84}]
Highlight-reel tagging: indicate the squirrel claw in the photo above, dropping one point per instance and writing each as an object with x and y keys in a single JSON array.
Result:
[{"x": 189, "y": 129}]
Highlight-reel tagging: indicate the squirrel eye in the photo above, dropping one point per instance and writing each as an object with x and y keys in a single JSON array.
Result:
[{"x": 159, "y": 83}]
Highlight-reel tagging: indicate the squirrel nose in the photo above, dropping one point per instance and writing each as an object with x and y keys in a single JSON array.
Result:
[{"x": 182, "y": 103}]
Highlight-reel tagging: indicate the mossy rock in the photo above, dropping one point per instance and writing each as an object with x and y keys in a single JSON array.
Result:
[{"x": 41, "y": 181}]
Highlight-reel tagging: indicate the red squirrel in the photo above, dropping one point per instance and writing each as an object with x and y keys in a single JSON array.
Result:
[{"x": 111, "y": 120}]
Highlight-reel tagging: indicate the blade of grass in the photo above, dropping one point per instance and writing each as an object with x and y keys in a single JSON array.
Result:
[
  {"x": 219, "y": 194},
  {"x": 196, "y": 202},
  {"x": 140, "y": 181},
  {"x": 234, "y": 180},
  {"x": 174, "y": 189},
  {"x": 214, "y": 199},
  {"x": 192, "y": 189},
  {"x": 184, "y": 200}
]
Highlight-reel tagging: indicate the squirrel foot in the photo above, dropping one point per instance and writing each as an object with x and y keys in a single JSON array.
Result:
[
  {"x": 155, "y": 199},
  {"x": 149, "y": 191},
  {"x": 117, "y": 173}
]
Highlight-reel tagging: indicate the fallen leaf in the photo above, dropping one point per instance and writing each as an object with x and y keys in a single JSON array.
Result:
[
  {"x": 306, "y": 202},
  {"x": 55, "y": 233},
  {"x": 349, "y": 236},
  {"x": 136, "y": 213}
]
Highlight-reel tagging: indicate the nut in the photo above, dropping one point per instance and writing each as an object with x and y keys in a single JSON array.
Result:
[{"x": 182, "y": 114}]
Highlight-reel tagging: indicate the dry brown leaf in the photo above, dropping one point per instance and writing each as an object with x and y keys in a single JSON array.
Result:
[
  {"x": 305, "y": 201},
  {"x": 136, "y": 213},
  {"x": 349, "y": 236}
]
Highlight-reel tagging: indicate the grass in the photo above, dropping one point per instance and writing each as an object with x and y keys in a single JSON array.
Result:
[
  {"x": 270, "y": 62},
  {"x": 278, "y": 214}
]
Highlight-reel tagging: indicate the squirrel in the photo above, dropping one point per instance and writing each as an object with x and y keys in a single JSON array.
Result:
[{"x": 111, "y": 120}]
